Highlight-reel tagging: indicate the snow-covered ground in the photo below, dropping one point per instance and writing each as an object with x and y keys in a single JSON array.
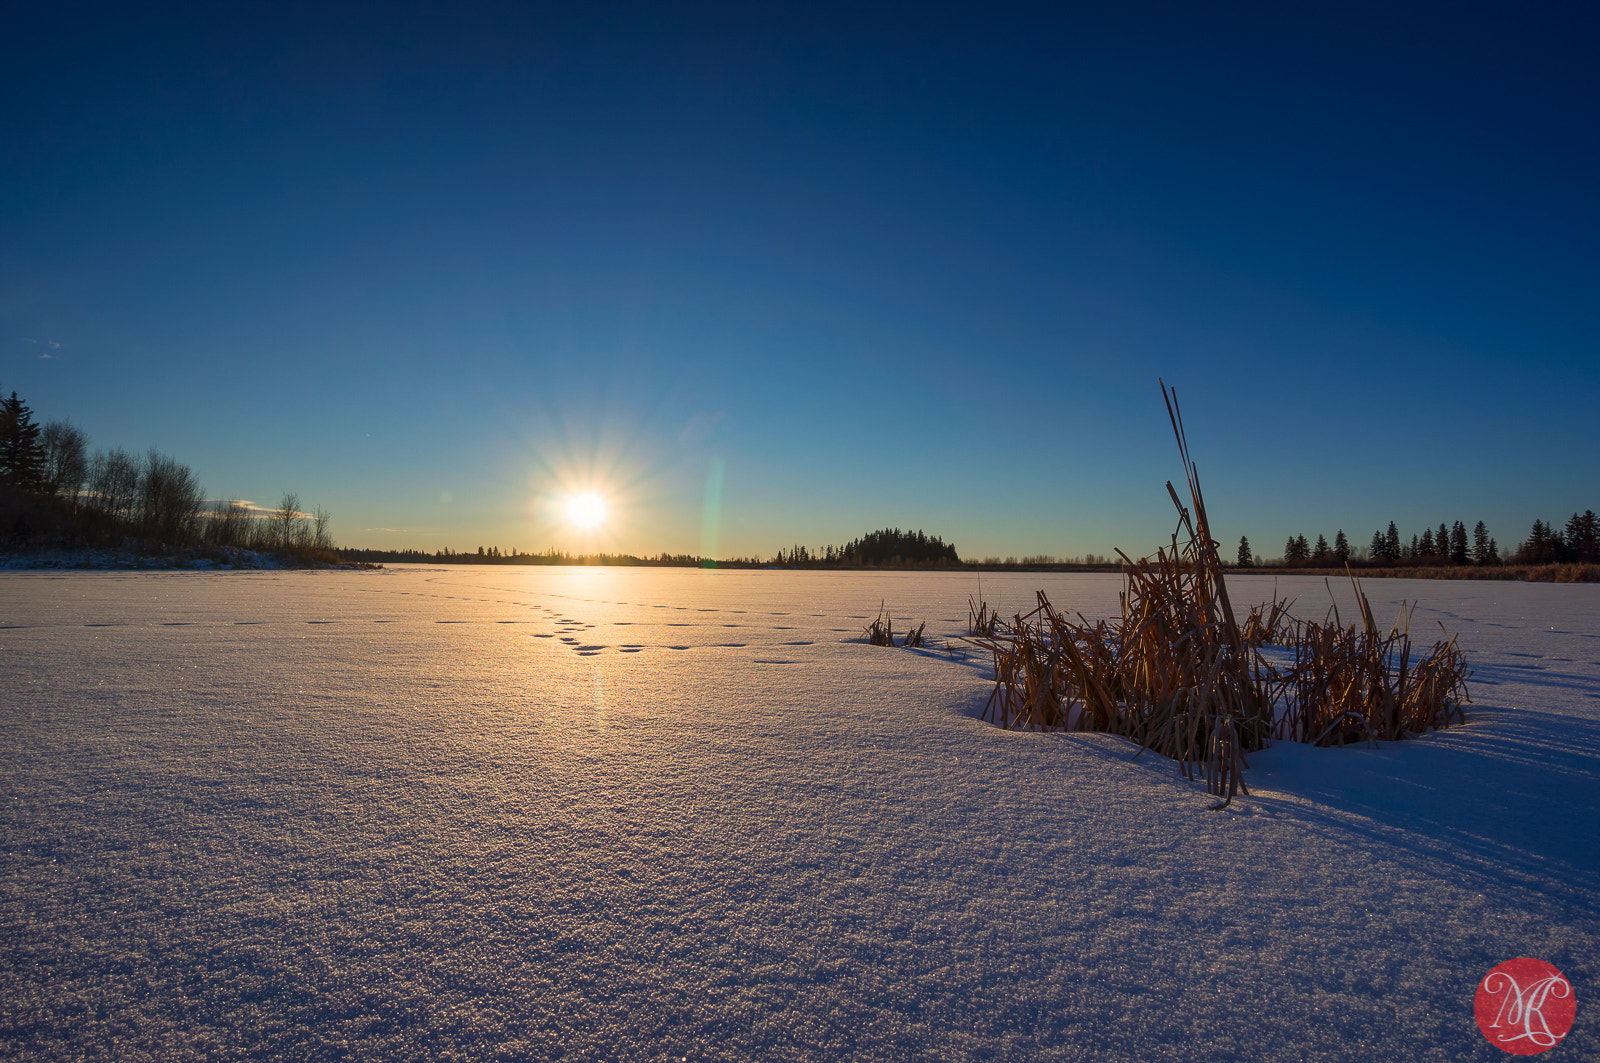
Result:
[{"x": 647, "y": 814}]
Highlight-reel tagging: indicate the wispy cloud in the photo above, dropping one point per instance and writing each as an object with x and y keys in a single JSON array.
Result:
[
  {"x": 54, "y": 345},
  {"x": 47, "y": 355},
  {"x": 253, "y": 510}
]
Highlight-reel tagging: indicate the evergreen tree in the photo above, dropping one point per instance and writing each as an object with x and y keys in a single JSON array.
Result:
[
  {"x": 1341, "y": 547},
  {"x": 1391, "y": 543},
  {"x": 1546, "y": 544},
  {"x": 1245, "y": 558},
  {"x": 1425, "y": 547},
  {"x": 1458, "y": 543},
  {"x": 22, "y": 454},
  {"x": 1302, "y": 549},
  {"x": 1583, "y": 538},
  {"x": 1375, "y": 551},
  {"x": 1481, "y": 553},
  {"x": 1536, "y": 550},
  {"x": 1441, "y": 542},
  {"x": 1319, "y": 554}
]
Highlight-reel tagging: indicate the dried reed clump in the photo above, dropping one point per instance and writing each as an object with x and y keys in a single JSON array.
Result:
[
  {"x": 1350, "y": 684},
  {"x": 1177, "y": 673},
  {"x": 881, "y": 632},
  {"x": 1269, "y": 622},
  {"x": 982, "y": 620}
]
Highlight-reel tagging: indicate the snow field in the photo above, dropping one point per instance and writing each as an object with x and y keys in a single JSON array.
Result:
[{"x": 523, "y": 813}]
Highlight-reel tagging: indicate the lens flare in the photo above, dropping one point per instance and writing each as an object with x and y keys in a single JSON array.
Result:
[{"x": 587, "y": 510}]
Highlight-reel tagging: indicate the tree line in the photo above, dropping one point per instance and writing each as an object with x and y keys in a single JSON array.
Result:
[
  {"x": 493, "y": 555},
  {"x": 1578, "y": 543},
  {"x": 889, "y": 547},
  {"x": 55, "y": 494},
  {"x": 1447, "y": 545}
]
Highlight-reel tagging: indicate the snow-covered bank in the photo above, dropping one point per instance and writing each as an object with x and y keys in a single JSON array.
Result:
[
  {"x": 223, "y": 559},
  {"x": 668, "y": 814}
]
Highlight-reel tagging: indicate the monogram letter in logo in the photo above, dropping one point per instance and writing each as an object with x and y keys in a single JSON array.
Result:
[{"x": 1525, "y": 1006}]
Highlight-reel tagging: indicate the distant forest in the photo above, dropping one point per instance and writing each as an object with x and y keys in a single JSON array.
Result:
[
  {"x": 887, "y": 548},
  {"x": 1452, "y": 545},
  {"x": 56, "y": 495},
  {"x": 890, "y": 547},
  {"x": 493, "y": 555}
]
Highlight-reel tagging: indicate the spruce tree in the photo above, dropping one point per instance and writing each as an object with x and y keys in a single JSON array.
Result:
[
  {"x": 1425, "y": 547},
  {"x": 1458, "y": 543},
  {"x": 22, "y": 454},
  {"x": 1583, "y": 538},
  {"x": 1536, "y": 550},
  {"x": 1391, "y": 543},
  {"x": 1480, "y": 545},
  {"x": 1320, "y": 553},
  {"x": 1376, "y": 551},
  {"x": 1341, "y": 547},
  {"x": 1441, "y": 542},
  {"x": 1245, "y": 558}
]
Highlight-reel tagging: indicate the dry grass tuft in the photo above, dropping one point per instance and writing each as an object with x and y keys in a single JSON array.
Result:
[
  {"x": 1269, "y": 623},
  {"x": 982, "y": 621},
  {"x": 1178, "y": 674},
  {"x": 881, "y": 631},
  {"x": 1359, "y": 684}
]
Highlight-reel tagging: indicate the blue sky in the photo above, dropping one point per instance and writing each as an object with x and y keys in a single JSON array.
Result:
[{"x": 913, "y": 266}]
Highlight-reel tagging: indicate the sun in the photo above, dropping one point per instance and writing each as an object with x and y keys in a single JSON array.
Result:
[{"x": 586, "y": 510}]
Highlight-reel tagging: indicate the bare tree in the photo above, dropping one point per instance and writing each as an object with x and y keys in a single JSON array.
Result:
[
  {"x": 288, "y": 517},
  {"x": 230, "y": 524},
  {"x": 66, "y": 459},
  {"x": 170, "y": 500},
  {"x": 319, "y": 524},
  {"x": 114, "y": 485}
]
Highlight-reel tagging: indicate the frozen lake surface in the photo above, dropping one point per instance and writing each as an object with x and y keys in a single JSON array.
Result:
[{"x": 654, "y": 814}]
